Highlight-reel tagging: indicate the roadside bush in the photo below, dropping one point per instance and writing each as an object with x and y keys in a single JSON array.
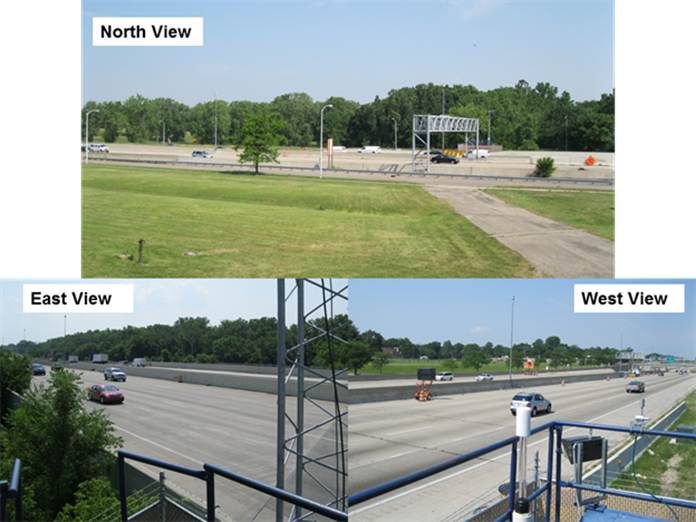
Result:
[{"x": 544, "y": 167}]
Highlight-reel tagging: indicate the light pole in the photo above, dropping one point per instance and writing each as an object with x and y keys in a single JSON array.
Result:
[
  {"x": 162, "y": 122},
  {"x": 443, "y": 113},
  {"x": 489, "y": 127},
  {"x": 215, "y": 122},
  {"x": 395, "y": 134},
  {"x": 321, "y": 138},
  {"x": 512, "y": 322},
  {"x": 87, "y": 134}
]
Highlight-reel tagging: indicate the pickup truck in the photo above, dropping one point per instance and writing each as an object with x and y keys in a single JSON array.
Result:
[{"x": 635, "y": 387}]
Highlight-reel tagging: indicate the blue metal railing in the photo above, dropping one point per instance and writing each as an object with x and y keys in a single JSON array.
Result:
[
  {"x": 208, "y": 475},
  {"x": 555, "y": 429},
  {"x": 13, "y": 490}
]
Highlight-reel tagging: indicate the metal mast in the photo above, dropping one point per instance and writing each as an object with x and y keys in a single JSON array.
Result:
[
  {"x": 322, "y": 398},
  {"x": 427, "y": 123}
]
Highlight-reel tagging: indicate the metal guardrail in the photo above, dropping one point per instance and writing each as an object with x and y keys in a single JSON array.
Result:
[
  {"x": 555, "y": 429},
  {"x": 247, "y": 166},
  {"x": 13, "y": 490},
  {"x": 208, "y": 475}
]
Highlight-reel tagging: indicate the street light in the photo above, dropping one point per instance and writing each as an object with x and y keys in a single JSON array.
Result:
[
  {"x": 489, "y": 127},
  {"x": 215, "y": 122},
  {"x": 395, "y": 129},
  {"x": 87, "y": 135},
  {"x": 512, "y": 319},
  {"x": 162, "y": 122},
  {"x": 321, "y": 138}
]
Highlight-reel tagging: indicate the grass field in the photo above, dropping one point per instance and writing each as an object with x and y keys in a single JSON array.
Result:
[
  {"x": 666, "y": 469},
  {"x": 410, "y": 367},
  {"x": 590, "y": 210},
  {"x": 244, "y": 226}
]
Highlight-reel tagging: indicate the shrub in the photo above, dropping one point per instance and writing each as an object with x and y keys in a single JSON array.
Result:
[{"x": 544, "y": 167}]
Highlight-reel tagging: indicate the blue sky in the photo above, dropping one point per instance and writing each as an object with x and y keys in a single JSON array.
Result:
[
  {"x": 159, "y": 301},
  {"x": 478, "y": 311},
  {"x": 355, "y": 49}
]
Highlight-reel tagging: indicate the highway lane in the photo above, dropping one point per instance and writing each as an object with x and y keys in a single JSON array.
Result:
[
  {"x": 392, "y": 439},
  {"x": 189, "y": 425}
]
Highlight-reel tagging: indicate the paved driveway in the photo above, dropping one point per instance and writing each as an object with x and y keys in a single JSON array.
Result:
[{"x": 554, "y": 249}]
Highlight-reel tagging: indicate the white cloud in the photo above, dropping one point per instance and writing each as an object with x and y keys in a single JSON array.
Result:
[{"x": 474, "y": 9}]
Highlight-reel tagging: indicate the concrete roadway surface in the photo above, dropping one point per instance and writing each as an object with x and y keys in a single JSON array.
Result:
[
  {"x": 392, "y": 439},
  {"x": 190, "y": 424}
]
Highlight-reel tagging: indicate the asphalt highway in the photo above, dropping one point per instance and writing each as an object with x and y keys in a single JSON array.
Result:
[
  {"x": 190, "y": 424},
  {"x": 389, "y": 440}
]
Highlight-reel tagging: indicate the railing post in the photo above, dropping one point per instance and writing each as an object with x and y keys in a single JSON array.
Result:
[
  {"x": 549, "y": 474},
  {"x": 559, "y": 459},
  {"x": 122, "y": 486},
  {"x": 162, "y": 498},
  {"x": 16, "y": 485},
  {"x": 210, "y": 494},
  {"x": 3, "y": 500},
  {"x": 513, "y": 475}
]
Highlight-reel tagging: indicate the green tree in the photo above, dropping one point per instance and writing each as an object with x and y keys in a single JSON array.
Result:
[
  {"x": 380, "y": 360},
  {"x": 475, "y": 359},
  {"x": 15, "y": 375},
  {"x": 59, "y": 443},
  {"x": 259, "y": 138},
  {"x": 354, "y": 355},
  {"x": 140, "y": 119},
  {"x": 449, "y": 364},
  {"x": 92, "y": 498}
]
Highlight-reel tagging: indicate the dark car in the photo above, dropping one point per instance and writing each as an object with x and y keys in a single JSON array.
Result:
[
  {"x": 56, "y": 367},
  {"x": 37, "y": 369},
  {"x": 444, "y": 158},
  {"x": 535, "y": 401},
  {"x": 105, "y": 393}
]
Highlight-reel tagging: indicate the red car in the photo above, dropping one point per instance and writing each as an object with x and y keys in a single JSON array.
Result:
[{"x": 105, "y": 393}]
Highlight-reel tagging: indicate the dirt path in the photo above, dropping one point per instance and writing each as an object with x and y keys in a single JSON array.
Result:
[{"x": 554, "y": 249}]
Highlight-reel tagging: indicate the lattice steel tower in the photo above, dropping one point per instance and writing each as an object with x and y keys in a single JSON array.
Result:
[{"x": 320, "y": 465}]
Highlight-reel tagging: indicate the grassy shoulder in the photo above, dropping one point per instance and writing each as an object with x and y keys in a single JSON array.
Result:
[
  {"x": 410, "y": 367},
  {"x": 590, "y": 210},
  {"x": 241, "y": 225},
  {"x": 666, "y": 468}
]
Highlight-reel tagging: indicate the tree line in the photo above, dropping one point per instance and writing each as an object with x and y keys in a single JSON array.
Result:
[{"x": 521, "y": 118}]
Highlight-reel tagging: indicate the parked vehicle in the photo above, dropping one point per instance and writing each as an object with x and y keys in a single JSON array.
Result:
[
  {"x": 37, "y": 369},
  {"x": 114, "y": 374},
  {"x": 444, "y": 376},
  {"x": 100, "y": 358},
  {"x": 484, "y": 377},
  {"x": 535, "y": 401},
  {"x": 371, "y": 149},
  {"x": 105, "y": 393},
  {"x": 482, "y": 153},
  {"x": 444, "y": 158},
  {"x": 141, "y": 361},
  {"x": 635, "y": 387},
  {"x": 201, "y": 154}
]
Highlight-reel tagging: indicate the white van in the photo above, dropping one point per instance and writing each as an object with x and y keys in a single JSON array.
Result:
[
  {"x": 368, "y": 148},
  {"x": 482, "y": 153}
]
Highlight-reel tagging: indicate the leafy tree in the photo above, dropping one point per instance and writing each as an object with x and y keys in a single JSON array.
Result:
[
  {"x": 15, "y": 375},
  {"x": 258, "y": 138},
  {"x": 450, "y": 364},
  {"x": 475, "y": 359},
  {"x": 354, "y": 355},
  {"x": 59, "y": 443},
  {"x": 140, "y": 119},
  {"x": 203, "y": 121},
  {"x": 92, "y": 498},
  {"x": 380, "y": 360}
]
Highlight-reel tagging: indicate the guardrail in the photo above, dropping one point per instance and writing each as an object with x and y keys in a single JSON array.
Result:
[
  {"x": 555, "y": 429},
  {"x": 363, "y": 171},
  {"x": 208, "y": 473},
  {"x": 14, "y": 490}
]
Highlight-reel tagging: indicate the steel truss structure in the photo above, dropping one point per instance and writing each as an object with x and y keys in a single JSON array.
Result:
[
  {"x": 324, "y": 468},
  {"x": 427, "y": 123}
]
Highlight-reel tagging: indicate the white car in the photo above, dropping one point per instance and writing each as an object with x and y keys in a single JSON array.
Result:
[
  {"x": 484, "y": 377},
  {"x": 98, "y": 147},
  {"x": 114, "y": 374},
  {"x": 444, "y": 376}
]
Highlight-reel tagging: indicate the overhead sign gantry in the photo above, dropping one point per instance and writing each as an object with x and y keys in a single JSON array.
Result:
[{"x": 428, "y": 123}]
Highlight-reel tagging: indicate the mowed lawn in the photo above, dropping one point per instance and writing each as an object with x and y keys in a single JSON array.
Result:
[
  {"x": 246, "y": 226},
  {"x": 590, "y": 210}
]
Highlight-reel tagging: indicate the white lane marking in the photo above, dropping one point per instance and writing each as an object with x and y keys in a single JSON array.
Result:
[
  {"x": 397, "y": 455},
  {"x": 409, "y": 431},
  {"x": 159, "y": 445},
  {"x": 437, "y": 481}
]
